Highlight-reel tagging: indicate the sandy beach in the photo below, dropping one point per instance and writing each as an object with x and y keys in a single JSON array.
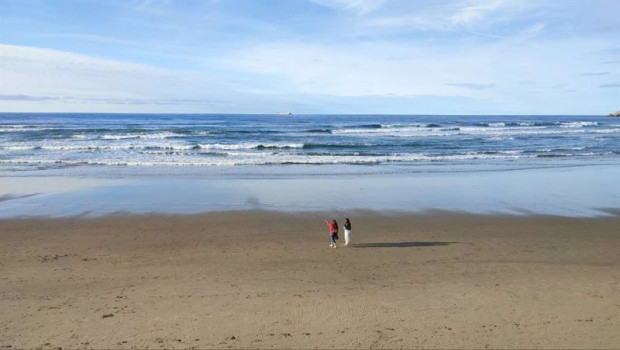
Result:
[
  {"x": 257, "y": 279},
  {"x": 167, "y": 170}
]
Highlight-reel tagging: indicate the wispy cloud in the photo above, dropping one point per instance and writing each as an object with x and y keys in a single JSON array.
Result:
[
  {"x": 532, "y": 31},
  {"x": 476, "y": 12},
  {"x": 213, "y": 55},
  {"x": 472, "y": 86},
  {"x": 594, "y": 73},
  {"x": 604, "y": 86},
  {"x": 153, "y": 7},
  {"x": 43, "y": 75},
  {"x": 90, "y": 38},
  {"x": 469, "y": 16},
  {"x": 377, "y": 69},
  {"x": 104, "y": 100},
  {"x": 21, "y": 97},
  {"x": 359, "y": 7}
]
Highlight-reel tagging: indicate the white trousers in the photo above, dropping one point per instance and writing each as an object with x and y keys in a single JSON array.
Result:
[{"x": 347, "y": 234}]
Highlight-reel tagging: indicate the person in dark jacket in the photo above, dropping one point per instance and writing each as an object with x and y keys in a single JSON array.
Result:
[{"x": 347, "y": 231}]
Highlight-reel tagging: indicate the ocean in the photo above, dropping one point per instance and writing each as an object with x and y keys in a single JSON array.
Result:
[
  {"x": 72, "y": 164},
  {"x": 38, "y": 142}
]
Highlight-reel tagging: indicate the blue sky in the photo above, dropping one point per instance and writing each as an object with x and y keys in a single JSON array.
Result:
[{"x": 311, "y": 56}]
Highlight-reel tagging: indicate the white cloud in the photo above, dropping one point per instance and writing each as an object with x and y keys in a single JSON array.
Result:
[
  {"x": 299, "y": 76},
  {"x": 377, "y": 69},
  {"x": 43, "y": 71},
  {"x": 422, "y": 22},
  {"x": 532, "y": 30},
  {"x": 476, "y": 11},
  {"x": 473, "y": 86},
  {"x": 154, "y": 7},
  {"x": 62, "y": 78},
  {"x": 360, "y": 7},
  {"x": 465, "y": 15},
  {"x": 490, "y": 71}
]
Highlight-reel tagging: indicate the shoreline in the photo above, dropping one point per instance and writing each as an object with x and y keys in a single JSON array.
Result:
[
  {"x": 564, "y": 191},
  {"x": 266, "y": 279}
]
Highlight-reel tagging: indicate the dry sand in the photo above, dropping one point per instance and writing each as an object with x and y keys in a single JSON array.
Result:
[{"x": 270, "y": 280}]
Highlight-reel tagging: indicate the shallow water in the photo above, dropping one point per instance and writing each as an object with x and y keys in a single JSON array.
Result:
[{"x": 567, "y": 191}]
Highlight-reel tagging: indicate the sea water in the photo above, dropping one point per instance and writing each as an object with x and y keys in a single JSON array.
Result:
[
  {"x": 51, "y": 141},
  {"x": 540, "y": 164}
]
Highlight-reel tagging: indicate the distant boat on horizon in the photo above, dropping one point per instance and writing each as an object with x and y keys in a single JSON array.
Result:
[{"x": 284, "y": 113}]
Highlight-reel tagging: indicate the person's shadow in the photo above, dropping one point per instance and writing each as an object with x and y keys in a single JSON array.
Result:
[{"x": 400, "y": 244}]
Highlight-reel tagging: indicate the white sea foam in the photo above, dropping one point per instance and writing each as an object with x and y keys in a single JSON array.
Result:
[
  {"x": 152, "y": 146},
  {"x": 16, "y": 147},
  {"x": 249, "y": 145},
  {"x": 493, "y": 129},
  {"x": 146, "y": 136},
  {"x": 578, "y": 124},
  {"x": 502, "y": 138},
  {"x": 399, "y": 132},
  {"x": 247, "y": 158},
  {"x": 21, "y": 128}
]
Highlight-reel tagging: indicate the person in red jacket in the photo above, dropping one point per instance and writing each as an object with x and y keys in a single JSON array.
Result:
[{"x": 333, "y": 232}]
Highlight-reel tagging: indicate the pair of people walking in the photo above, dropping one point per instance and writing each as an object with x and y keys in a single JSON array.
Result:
[{"x": 333, "y": 231}]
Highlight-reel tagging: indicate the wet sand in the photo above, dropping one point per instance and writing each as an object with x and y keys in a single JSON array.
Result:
[
  {"x": 579, "y": 191},
  {"x": 258, "y": 279}
]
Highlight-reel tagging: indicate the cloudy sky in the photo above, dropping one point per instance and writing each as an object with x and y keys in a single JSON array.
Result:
[{"x": 311, "y": 56}]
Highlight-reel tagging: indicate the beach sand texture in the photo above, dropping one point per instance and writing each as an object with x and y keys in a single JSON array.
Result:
[{"x": 269, "y": 280}]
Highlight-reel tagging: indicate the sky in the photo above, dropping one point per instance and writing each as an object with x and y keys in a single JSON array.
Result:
[{"x": 311, "y": 56}]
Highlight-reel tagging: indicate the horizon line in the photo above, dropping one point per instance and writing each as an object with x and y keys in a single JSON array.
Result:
[{"x": 315, "y": 114}]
